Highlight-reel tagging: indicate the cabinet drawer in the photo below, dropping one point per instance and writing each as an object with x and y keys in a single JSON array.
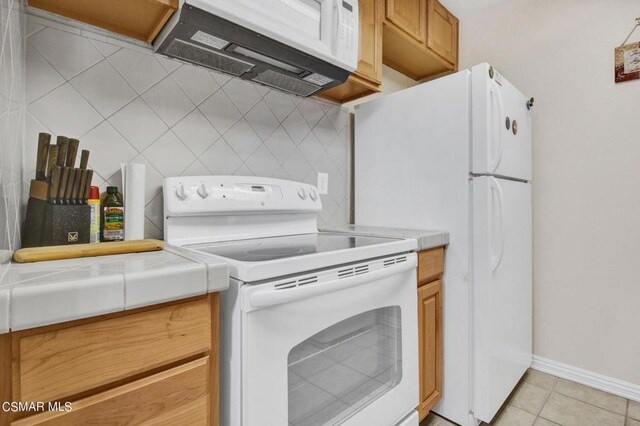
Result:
[
  {"x": 64, "y": 361},
  {"x": 173, "y": 397},
  {"x": 430, "y": 264}
]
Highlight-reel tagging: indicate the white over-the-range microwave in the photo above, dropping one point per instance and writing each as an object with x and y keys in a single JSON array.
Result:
[{"x": 298, "y": 46}]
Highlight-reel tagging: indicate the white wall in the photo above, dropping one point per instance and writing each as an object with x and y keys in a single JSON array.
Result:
[
  {"x": 392, "y": 81},
  {"x": 586, "y": 172},
  {"x": 11, "y": 123},
  {"x": 126, "y": 104}
]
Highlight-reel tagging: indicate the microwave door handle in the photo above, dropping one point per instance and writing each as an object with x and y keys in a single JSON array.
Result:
[
  {"x": 272, "y": 297},
  {"x": 337, "y": 5}
]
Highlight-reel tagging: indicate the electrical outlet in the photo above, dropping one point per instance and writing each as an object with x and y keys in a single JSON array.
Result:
[{"x": 323, "y": 183}]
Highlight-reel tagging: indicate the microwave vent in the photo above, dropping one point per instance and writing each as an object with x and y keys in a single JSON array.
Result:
[
  {"x": 286, "y": 83},
  {"x": 207, "y": 58}
]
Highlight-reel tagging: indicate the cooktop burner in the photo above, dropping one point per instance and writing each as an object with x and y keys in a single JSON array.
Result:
[{"x": 273, "y": 248}]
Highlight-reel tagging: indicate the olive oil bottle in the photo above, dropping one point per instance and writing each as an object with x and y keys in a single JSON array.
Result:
[{"x": 112, "y": 216}]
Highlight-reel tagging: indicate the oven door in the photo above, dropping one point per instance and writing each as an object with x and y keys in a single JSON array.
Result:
[{"x": 341, "y": 351}]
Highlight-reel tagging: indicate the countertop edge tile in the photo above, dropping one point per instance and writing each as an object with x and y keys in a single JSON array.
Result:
[
  {"x": 46, "y": 304},
  {"x": 144, "y": 288},
  {"x": 40, "y": 294},
  {"x": 217, "y": 268},
  {"x": 5, "y": 301}
]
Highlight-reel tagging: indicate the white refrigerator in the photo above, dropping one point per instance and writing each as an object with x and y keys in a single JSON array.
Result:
[{"x": 454, "y": 154}]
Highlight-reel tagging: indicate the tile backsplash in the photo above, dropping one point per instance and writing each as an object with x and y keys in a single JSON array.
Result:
[
  {"x": 126, "y": 104},
  {"x": 12, "y": 102}
]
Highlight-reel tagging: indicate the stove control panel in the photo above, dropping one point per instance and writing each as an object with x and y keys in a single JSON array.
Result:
[{"x": 217, "y": 195}]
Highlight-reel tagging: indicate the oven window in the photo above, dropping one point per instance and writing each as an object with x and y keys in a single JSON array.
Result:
[{"x": 342, "y": 369}]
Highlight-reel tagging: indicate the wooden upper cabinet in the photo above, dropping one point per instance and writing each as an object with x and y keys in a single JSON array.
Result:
[
  {"x": 139, "y": 19},
  {"x": 367, "y": 78},
  {"x": 409, "y": 16},
  {"x": 370, "y": 48},
  {"x": 442, "y": 28},
  {"x": 420, "y": 38}
]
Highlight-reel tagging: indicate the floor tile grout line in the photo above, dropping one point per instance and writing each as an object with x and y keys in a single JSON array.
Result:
[
  {"x": 546, "y": 399},
  {"x": 588, "y": 403},
  {"x": 553, "y": 390}
]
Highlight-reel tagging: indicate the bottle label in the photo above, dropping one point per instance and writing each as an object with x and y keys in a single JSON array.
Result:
[
  {"x": 94, "y": 228},
  {"x": 113, "y": 224}
]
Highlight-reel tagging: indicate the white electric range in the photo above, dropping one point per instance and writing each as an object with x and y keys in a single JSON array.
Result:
[{"x": 316, "y": 328}]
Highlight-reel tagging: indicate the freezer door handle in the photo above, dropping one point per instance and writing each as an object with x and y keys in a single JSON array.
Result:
[
  {"x": 496, "y": 124},
  {"x": 498, "y": 236},
  {"x": 272, "y": 297}
]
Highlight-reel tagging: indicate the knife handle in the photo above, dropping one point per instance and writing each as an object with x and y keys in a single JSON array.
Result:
[
  {"x": 78, "y": 184},
  {"x": 69, "y": 188},
  {"x": 53, "y": 159},
  {"x": 78, "y": 192},
  {"x": 84, "y": 159},
  {"x": 63, "y": 143},
  {"x": 41, "y": 156},
  {"x": 87, "y": 186},
  {"x": 72, "y": 152},
  {"x": 56, "y": 173},
  {"x": 64, "y": 177}
]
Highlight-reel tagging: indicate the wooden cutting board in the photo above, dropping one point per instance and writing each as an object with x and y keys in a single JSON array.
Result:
[{"x": 39, "y": 254}]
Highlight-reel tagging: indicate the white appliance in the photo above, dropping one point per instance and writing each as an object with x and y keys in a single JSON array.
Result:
[
  {"x": 455, "y": 154},
  {"x": 316, "y": 328},
  {"x": 298, "y": 46}
]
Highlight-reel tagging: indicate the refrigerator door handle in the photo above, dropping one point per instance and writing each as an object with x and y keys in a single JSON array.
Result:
[
  {"x": 496, "y": 257},
  {"x": 494, "y": 91}
]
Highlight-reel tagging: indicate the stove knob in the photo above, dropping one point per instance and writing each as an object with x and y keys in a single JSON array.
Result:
[
  {"x": 182, "y": 192},
  {"x": 313, "y": 194},
  {"x": 302, "y": 193},
  {"x": 203, "y": 191}
]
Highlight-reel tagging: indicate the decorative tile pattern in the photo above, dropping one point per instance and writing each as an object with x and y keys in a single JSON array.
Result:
[
  {"x": 127, "y": 104},
  {"x": 12, "y": 119}
]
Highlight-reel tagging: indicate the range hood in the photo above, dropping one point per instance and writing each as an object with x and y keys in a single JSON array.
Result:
[{"x": 301, "y": 47}]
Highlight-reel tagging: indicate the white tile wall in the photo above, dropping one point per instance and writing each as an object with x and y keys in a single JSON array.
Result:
[
  {"x": 127, "y": 104},
  {"x": 12, "y": 101}
]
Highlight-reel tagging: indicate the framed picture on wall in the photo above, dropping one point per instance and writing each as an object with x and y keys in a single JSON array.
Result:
[{"x": 628, "y": 62}]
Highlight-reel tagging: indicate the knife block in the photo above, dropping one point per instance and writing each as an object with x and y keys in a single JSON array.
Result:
[
  {"x": 48, "y": 224},
  {"x": 32, "y": 227},
  {"x": 65, "y": 224}
]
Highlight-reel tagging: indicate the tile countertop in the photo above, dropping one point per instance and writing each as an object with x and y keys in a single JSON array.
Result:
[
  {"x": 426, "y": 238},
  {"x": 44, "y": 293}
]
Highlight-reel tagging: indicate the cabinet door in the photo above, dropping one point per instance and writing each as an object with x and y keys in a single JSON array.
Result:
[
  {"x": 409, "y": 16},
  {"x": 442, "y": 30},
  {"x": 179, "y": 396},
  {"x": 430, "y": 345},
  {"x": 370, "y": 50}
]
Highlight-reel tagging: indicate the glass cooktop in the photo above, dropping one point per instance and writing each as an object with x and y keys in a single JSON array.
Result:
[{"x": 274, "y": 248}]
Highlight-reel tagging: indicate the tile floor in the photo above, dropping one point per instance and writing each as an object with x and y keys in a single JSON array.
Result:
[{"x": 544, "y": 400}]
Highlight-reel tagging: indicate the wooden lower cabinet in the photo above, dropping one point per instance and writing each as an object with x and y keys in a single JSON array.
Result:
[
  {"x": 151, "y": 365},
  {"x": 430, "y": 269}
]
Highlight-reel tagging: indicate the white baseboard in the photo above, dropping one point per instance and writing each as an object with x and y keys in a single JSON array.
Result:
[{"x": 587, "y": 378}]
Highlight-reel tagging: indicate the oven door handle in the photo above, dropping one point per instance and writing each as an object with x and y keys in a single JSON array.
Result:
[{"x": 272, "y": 297}]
